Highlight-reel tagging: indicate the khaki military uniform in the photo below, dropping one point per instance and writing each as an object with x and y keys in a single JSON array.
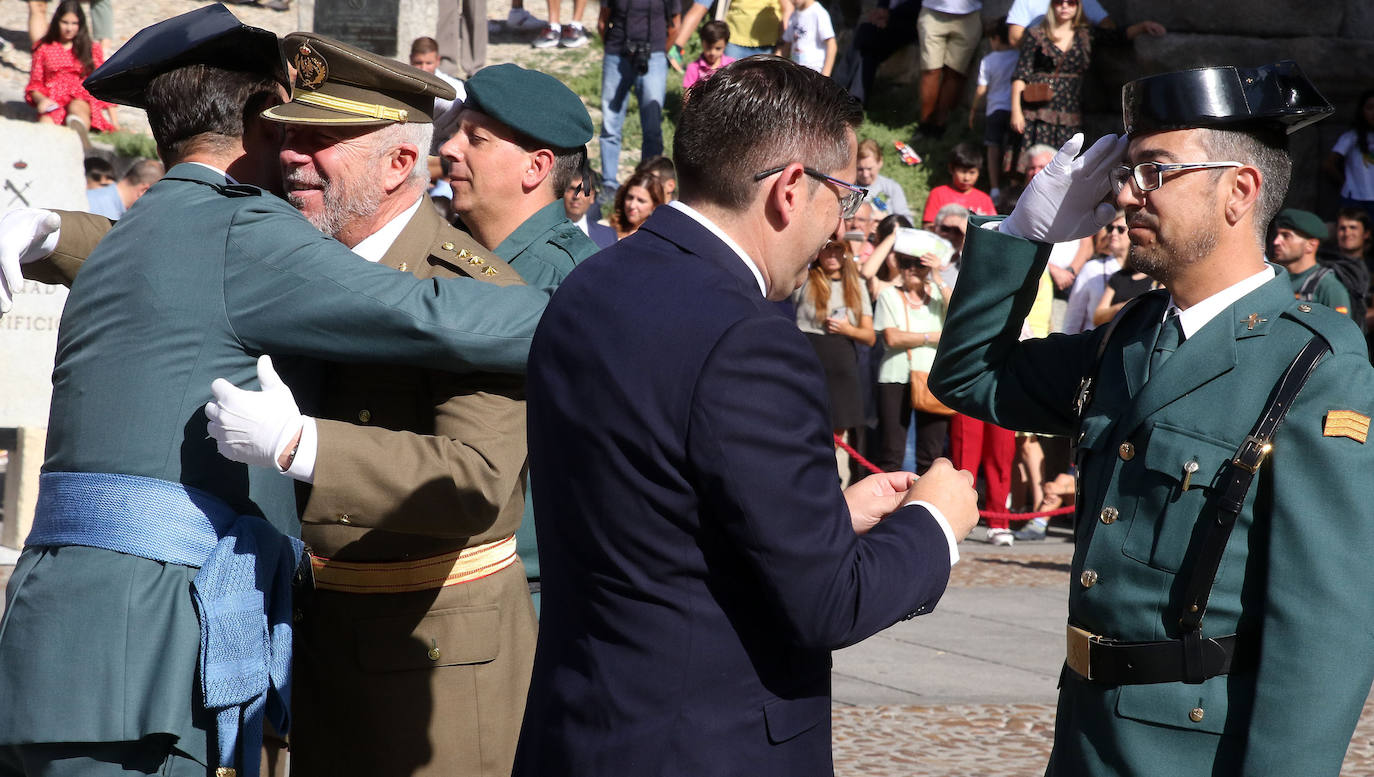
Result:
[{"x": 418, "y": 464}]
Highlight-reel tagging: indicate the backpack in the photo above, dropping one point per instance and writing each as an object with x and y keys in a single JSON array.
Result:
[{"x": 1352, "y": 274}]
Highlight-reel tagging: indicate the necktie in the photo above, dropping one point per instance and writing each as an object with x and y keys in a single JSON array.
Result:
[{"x": 1168, "y": 340}]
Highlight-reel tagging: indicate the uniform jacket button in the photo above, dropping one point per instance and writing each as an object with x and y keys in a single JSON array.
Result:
[
  {"x": 364, "y": 415},
  {"x": 344, "y": 518},
  {"x": 1196, "y": 714},
  {"x": 433, "y": 654},
  {"x": 1088, "y": 578},
  {"x": 1109, "y": 515},
  {"x": 1127, "y": 451}
]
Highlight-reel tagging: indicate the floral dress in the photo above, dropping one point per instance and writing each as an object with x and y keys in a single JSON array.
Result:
[
  {"x": 57, "y": 75},
  {"x": 1040, "y": 61}
]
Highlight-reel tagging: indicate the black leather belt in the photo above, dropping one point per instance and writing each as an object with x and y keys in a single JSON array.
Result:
[{"x": 1105, "y": 661}]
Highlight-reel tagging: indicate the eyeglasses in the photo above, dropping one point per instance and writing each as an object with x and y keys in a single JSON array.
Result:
[
  {"x": 850, "y": 200},
  {"x": 1149, "y": 176},
  {"x": 1119, "y": 229},
  {"x": 946, "y": 229}
]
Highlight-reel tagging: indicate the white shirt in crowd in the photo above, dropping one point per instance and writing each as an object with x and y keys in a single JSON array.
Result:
[
  {"x": 995, "y": 72},
  {"x": 1359, "y": 169},
  {"x": 959, "y": 7},
  {"x": 807, "y": 31}
]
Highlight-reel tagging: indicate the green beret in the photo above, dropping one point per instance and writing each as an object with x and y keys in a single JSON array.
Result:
[
  {"x": 1307, "y": 224},
  {"x": 342, "y": 85},
  {"x": 531, "y": 103}
]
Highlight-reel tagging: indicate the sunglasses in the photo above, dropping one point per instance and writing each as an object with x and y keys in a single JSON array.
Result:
[
  {"x": 1119, "y": 229},
  {"x": 909, "y": 264},
  {"x": 946, "y": 229},
  {"x": 1064, "y": 2}
]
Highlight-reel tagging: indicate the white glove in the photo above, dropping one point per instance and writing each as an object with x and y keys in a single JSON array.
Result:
[
  {"x": 253, "y": 427},
  {"x": 26, "y": 235},
  {"x": 1064, "y": 201}
]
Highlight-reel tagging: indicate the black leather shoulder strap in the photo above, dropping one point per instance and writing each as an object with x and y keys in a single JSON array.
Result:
[{"x": 1236, "y": 482}]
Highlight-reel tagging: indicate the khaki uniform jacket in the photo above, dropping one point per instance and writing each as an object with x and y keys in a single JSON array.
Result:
[{"x": 416, "y": 463}]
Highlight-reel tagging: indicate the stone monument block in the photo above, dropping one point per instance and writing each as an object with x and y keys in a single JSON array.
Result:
[
  {"x": 40, "y": 167},
  {"x": 384, "y": 27}
]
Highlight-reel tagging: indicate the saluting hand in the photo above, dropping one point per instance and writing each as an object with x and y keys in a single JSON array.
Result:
[
  {"x": 1065, "y": 201},
  {"x": 255, "y": 427}
]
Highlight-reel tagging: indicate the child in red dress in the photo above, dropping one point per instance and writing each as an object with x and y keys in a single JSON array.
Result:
[{"x": 61, "y": 61}]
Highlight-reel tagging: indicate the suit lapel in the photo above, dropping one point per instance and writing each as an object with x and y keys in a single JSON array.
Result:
[
  {"x": 414, "y": 240},
  {"x": 1210, "y": 353}
]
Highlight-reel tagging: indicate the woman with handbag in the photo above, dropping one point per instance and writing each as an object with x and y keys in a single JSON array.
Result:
[
  {"x": 910, "y": 315},
  {"x": 1047, "y": 85}
]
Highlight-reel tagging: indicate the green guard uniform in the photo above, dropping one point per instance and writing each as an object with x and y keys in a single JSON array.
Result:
[{"x": 1292, "y": 581}]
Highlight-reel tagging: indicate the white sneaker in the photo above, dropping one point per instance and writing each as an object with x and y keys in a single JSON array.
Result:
[
  {"x": 1000, "y": 537},
  {"x": 520, "y": 19}
]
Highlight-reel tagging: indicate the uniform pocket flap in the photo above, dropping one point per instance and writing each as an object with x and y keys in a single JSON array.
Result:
[
  {"x": 787, "y": 718},
  {"x": 1174, "y": 451},
  {"x": 449, "y": 637},
  {"x": 1199, "y": 707}
]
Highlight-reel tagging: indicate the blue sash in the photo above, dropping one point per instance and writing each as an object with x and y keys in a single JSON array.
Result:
[{"x": 242, "y": 592}]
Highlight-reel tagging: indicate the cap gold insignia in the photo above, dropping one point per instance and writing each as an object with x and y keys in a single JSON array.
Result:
[
  {"x": 1346, "y": 423},
  {"x": 311, "y": 69},
  {"x": 447, "y": 246}
]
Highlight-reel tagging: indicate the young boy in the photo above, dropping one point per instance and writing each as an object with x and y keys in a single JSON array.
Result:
[
  {"x": 424, "y": 55},
  {"x": 994, "y": 83},
  {"x": 715, "y": 35},
  {"x": 809, "y": 39},
  {"x": 963, "y": 172}
]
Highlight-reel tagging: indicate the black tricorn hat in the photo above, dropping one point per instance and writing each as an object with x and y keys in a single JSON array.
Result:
[
  {"x": 1277, "y": 96},
  {"x": 206, "y": 36}
]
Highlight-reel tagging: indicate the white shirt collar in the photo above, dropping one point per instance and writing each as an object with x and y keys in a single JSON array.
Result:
[
  {"x": 1197, "y": 316},
  {"x": 582, "y": 225},
  {"x": 374, "y": 246},
  {"x": 227, "y": 176},
  {"x": 715, "y": 230}
]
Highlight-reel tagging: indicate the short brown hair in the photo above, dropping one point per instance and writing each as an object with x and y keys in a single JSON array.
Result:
[
  {"x": 754, "y": 114},
  {"x": 424, "y": 45},
  {"x": 869, "y": 149}
]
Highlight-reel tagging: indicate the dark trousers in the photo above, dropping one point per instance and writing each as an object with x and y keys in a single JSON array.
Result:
[
  {"x": 872, "y": 46},
  {"x": 894, "y": 420}
]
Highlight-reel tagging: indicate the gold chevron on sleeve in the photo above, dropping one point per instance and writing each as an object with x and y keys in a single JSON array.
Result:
[{"x": 1346, "y": 423}]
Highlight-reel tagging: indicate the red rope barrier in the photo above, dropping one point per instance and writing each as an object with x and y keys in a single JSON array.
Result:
[
  {"x": 855, "y": 455},
  {"x": 981, "y": 513}
]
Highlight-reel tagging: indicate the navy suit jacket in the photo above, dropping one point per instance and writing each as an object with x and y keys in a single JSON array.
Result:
[
  {"x": 602, "y": 235},
  {"x": 698, "y": 559}
]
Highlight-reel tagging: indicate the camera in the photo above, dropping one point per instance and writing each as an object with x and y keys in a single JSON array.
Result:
[{"x": 638, "y": 52}]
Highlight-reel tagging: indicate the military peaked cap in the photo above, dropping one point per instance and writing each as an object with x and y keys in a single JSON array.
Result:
[
  {"x": 1278, "y": 96},
  {"x": 206, "y": 36},
  {"x": 339, "y": 84},
  {"x": 532, "y": 103}
]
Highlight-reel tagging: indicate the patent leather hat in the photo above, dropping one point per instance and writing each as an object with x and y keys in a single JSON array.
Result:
[
  {"x": 206, "y": 36},
  {"x": 1276, "y": 96}
]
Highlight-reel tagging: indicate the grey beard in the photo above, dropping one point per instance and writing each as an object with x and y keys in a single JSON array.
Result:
[{"x": 342, "y": 204}]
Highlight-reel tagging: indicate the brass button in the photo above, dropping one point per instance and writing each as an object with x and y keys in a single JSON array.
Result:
[
  {"x": 403, "y": 267},
  {"x": 1109, "y": 515},
  {"x": 1304, "y": 307},
  {"x": 1088, "y": 578},
  {"x": 344, "y": 518},
  {"x": 447, "y": 246},
  {"x": 364, "y": 415},
  {"x": 433, "y": 654},
  {"x": 225, "y": 771},
  {"x": 1127, "y": 451},
  {"x": 1196, "y": 714}
]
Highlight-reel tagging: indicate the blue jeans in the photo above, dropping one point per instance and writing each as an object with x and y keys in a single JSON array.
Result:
[
  {"x": 618, "y": 76},
  {"x": 740, "y": 52}
]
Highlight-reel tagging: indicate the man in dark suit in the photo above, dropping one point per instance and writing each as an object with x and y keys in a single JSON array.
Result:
[
  {"x": 702, "y": 561},
  {"x": 579, "y": 203}
]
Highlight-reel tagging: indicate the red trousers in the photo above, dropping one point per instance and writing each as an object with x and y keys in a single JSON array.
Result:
[{"x": 974, "y": 443}]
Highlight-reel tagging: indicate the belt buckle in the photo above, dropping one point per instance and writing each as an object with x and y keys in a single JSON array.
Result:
[
  {"x": 1252, "y": 453},
  {"x": 1079, "y": 652}
]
